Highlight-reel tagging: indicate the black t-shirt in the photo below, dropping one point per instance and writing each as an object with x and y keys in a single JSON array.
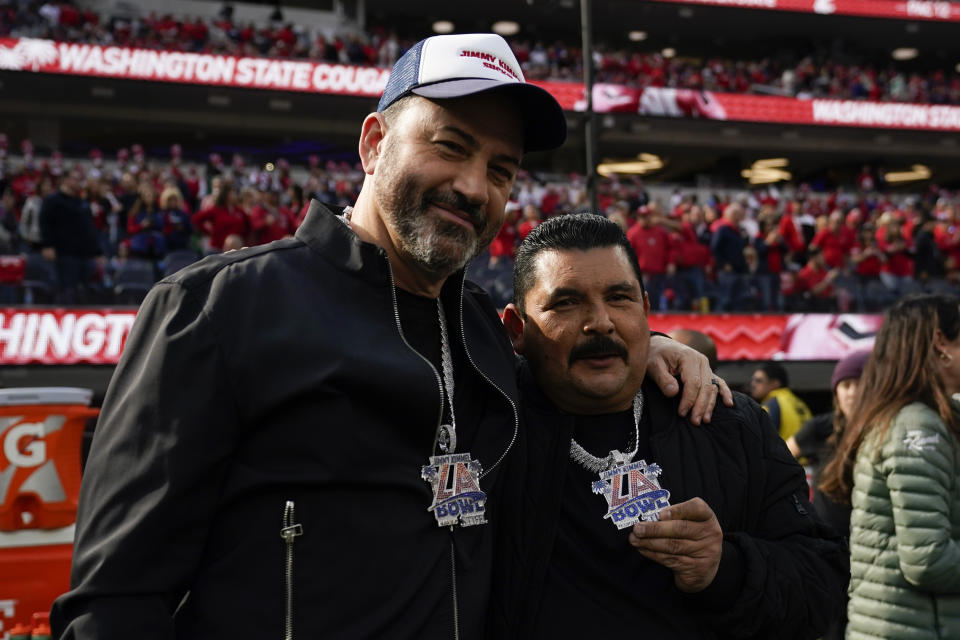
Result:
[
  {"x": 597, "y": 584},
  {"x": 421, "y": 325},
  {"x": 421, "y": 328},
  {"x": 812, "y": 438}
]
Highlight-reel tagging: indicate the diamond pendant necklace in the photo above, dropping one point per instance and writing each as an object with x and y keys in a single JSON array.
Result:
[
  {"x": 453, "y": 477},
  {"x": 615, "y": 458},
  {"x": 632, "y": 489}
]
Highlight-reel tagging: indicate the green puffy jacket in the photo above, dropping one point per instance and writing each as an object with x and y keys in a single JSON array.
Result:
[{"x": 905, "y": 532}]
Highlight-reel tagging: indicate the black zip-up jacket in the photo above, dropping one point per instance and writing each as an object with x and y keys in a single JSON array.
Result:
[
  {"x": 272, "y": 375},
  {"x": 783, "y": 573}
]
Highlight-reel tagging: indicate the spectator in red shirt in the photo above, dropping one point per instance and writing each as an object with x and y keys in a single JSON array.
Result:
[
  {"x": 851, "y": 223},
  {"x": 692, "y": 258},
  {"x": 815, "y": 282},
  {"x": 910, "y": 215},
  {"x": 504, "y": 245},
  {"x": 268, "y": 221},
  {"x": 834, "y": 241},
  {"x": 947, "y": 236},
  {"x": 531, "y": 218},
  {"x": 897, "y": 271},
  {"x": 866, "y": 256},
  {"x": 221, "y": 220},
  {"x": 789, "y": 231},
  {"x": 652, "y": 244},
  {"x": 550, "y": 202},
  {"x": 293, "y": 204}
]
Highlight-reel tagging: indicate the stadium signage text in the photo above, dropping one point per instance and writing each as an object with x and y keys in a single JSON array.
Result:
[
  {"x": 62, "y": 337},
  {"x": 46, "y": 56},
  {"x": 919, "y": 9},
  {"x": 688, "y": 103},
  {"x": 878, "y": 114}
]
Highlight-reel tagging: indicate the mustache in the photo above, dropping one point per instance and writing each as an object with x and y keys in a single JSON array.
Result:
[
  {"x": 598, "y": 346},
  {"x": 458, "y": 201}
]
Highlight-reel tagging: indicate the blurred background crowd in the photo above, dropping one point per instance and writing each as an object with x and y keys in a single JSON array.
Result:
[
  {"x": 91, "y": 222},
  {"x": 101, "y": 221}
]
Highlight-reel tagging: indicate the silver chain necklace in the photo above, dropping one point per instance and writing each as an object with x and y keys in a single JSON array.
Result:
[
  {"x": 453, "y": 477},
  {"x": 447, "y": 433},
  {"x": 613, "y": 459}
]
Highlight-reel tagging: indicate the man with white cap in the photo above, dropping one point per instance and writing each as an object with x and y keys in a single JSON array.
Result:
[{"x": 305, "y": 438}]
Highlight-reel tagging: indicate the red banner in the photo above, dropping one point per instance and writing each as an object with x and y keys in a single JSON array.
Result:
[
  {"x": 47, "y": 56},
  {"x": 34, "y": 336},
  {"x": 688, "y": 103},
  {"x": 799, "y": 336},
  {"x": 942, "y": 10},
  {"x": 59, "y": 336}
]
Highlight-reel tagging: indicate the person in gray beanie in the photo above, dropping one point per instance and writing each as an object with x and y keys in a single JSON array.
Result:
[
  {"x": 817, "y": 439},
  {"x": 816, "y": 442}
]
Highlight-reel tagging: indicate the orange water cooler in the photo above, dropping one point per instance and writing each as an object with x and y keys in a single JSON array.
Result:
[{"x": 41, "y": 431}]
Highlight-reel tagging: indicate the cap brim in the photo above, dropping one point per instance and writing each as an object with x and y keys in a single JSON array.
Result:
[{"x": 544, "y": 124}]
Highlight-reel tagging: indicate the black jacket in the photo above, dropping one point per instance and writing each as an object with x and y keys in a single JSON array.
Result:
[
  {"x": 274, "y": 374},
  {"x": 783, "y": 573}
]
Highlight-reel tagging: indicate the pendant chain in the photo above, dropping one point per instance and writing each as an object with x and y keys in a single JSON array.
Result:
[
  {"x": 447, "y": 435},
  {"x": 592, "y": 463}
]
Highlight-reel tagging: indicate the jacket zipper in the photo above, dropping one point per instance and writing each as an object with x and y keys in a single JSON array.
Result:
[
  {"x": 453, "y": 572},
  {"x": 289, "y": 531},
  {"x": 396, "y": 317},
  {"x": 466, "y": 348}
]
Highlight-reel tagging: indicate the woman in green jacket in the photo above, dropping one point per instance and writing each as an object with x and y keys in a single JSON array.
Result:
[{"x": 899, "y": 465}]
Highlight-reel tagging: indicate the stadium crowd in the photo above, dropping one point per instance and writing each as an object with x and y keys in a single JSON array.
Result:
[
  {"x": 100, "y": 232},
  {"x": 822, "y": 74}
]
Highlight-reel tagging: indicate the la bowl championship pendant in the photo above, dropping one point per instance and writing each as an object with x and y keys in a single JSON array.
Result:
[
  {"x": 633, "y": 492},
  {"x": 457, "y": 498}
]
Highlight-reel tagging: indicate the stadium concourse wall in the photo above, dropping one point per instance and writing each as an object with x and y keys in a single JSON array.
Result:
[{"x": 52, "y": 346}]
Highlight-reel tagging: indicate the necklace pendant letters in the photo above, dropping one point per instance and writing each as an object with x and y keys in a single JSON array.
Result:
[
  {"x": 632, "y": 491},
  {"x": 457, "y": 498}
]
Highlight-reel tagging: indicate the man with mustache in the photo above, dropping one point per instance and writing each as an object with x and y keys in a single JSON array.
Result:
[
  {"x": 306, "y": 438},
  {"x": 631, "y": 520}
]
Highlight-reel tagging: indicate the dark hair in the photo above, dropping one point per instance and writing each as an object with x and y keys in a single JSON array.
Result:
[
  {"x": 297, "y": 193},
  {"x": 902, "y": 369},
  {"x": 776, "y": 372},
  {"x": 573, "y": 231}
]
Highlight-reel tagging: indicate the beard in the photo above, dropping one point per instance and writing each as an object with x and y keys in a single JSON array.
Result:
[{"x": 439, "y": 246}]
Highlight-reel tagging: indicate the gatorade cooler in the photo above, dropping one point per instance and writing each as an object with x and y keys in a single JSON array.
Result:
[{"x": 41, "y": 430}]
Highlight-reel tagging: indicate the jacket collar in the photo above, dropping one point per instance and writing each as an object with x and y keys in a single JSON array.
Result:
[{"x": 324, "y": 231}]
